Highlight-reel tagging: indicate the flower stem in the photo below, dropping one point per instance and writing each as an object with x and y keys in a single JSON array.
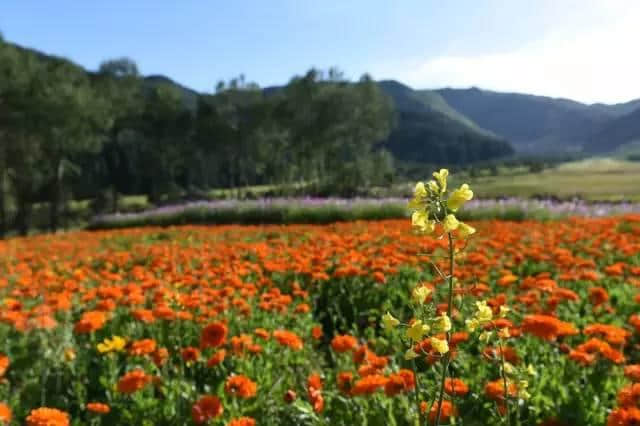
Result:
[{"x": 447, "y": 357}]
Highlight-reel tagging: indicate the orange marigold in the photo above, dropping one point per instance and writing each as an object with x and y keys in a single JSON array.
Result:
[
  {"x": 45, "y": 416},
  {"x": 206, "y": 408},
  {"x": 98, "y": 408},
  {"x": 242, "y": 421},
  {"x": 90, "y": 322},
  {"x": 213, "y": 335},
  {"x": 369, "y": 384},
  {"x": 133, "y": 381},
  {"x": 142, "y": 347},
  {"x": 288, "y": 338},
  {"x": 5, "y": 413},
  {"x": 343, "y": 343},
  {"x": 241, "y": 386}
]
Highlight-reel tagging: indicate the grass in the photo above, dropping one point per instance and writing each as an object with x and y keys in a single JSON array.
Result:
[{"x": 597, "y": 179}]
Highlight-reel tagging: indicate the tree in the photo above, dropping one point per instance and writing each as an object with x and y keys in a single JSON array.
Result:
[{"x": 119, "y": 82}]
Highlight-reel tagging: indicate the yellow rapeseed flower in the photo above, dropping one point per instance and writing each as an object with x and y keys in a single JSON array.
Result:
[
  {"x": 417, "y": 331},
  {"x": 420, "y": 293},
  {"x": 465, "y": 230},
  {"x": 484, "y": 313},
  {"x": 440, "y": 345},
  {"x": 443, "y": 323},
  {"x": 459, "y": 197},
  {"x": 389, "y": 321},
  {"x": 450, "y": 223},
  {"x": 420, "y": 220},
  {"x": 441, "y": 178}
]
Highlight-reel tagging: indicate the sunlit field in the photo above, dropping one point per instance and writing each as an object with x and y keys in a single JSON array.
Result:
[{"x": 281, "y": 325}]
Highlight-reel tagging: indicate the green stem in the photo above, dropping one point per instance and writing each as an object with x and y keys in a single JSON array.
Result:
[
  {"x": 447, "y": 357},
  {"x": 504, "y": 381},
  {"x": 416, "y": 394}
]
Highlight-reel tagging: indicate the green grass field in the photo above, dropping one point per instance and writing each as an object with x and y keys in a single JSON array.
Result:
[{"x": 597, "y": 179}]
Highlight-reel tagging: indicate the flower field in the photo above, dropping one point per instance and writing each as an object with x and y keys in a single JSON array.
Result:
[{"x": 281, "y": 325}]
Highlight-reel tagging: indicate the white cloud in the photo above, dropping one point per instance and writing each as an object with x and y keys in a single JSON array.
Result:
[{"x": 593, "y": 65}]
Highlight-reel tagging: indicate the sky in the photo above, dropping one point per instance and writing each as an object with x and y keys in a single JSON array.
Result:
[{"x": 578, "y": 49}]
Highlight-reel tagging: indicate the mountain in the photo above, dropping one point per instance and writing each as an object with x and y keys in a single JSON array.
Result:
[
  {"x": 428, "y": 130},
  {"x": 531, "y": 123},
  {"x": 545, "y": 124},
  {"x": 619, "y": 131}
]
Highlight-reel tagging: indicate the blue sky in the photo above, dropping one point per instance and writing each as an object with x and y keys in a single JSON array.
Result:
[{"x": 584, "y": 50}]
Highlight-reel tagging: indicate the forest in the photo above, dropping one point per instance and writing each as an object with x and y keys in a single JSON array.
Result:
[{"x": 71, "y": 134}]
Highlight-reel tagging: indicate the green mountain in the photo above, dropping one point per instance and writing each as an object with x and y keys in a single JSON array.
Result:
[
  {"x": 620, "y": 131},
  {"x": 428, "y": 130},
  {"x": 543, "y": 124}
]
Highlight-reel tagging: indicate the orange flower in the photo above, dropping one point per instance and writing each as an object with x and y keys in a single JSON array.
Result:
[
  {"x": 160, "y": 356},
  {"x": 448, "y": 411},
  {"x": 316, "y": 332},
  {"x": 98, "y": 408},
  {"x": 4, "y": 364},
  {"x": 598, "y": 296},
  {"x": 217, "y": 358},
  {"x": 402, "y": 381},
  {"x": 547, "y": 327},
  {"x": 287, "y": 338},
  {"x": 632, "y": 372},
  {"x": 142, "y": 347},
  {"x": 90, "y": 322},
  {"x": 5, "y": 414},
  {"x": 241, "y": 386},
  {"x": 343, "y": 343},
  {"x": 190, "y": 354},
  {"x": 133, "y": 381},
  {"x": 242, "y": 421},
  {"x": 213, "y": 335},
  {"x": 455, "y": 387},
  {"x": 47, "y": 417},
  {"x": 369, "y": 384},
  {"x": 206, "y": 408},
  {"x": 344, "y": 380}
]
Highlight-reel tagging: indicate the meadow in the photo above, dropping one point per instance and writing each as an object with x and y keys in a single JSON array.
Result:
[{"x": 281, "y": 325}]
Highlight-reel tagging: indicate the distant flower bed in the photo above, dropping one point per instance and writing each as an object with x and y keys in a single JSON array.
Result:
[{"x": 328, "y": 210}]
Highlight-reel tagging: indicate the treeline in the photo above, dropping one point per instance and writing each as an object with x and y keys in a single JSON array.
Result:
[{"x": 67, "y": 134}]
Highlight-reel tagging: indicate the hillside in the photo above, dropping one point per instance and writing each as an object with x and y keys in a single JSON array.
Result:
[
  {"x": 531, "y": 123},
  {"x": 618, "y": 132},
  {"x": 428, "y": 130}
]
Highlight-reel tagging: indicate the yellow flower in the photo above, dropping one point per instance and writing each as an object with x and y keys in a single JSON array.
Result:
[
  {"x": 443, "y": 323},
  {"x": 441, "y": 178},
  {"x": 504, "y": 333},
  {"x": 459, "y": 197},
  {"x": 465, "y": 230},
  {"x": 420, "y": 293},
  {"x": 389, "y": 321},
  {"x": 472, "y": 324},
  {"x": 417, "y": 331},
  {"x": 115, "y": 344},
  {"x": 450, "y": 223},
  {"x": 410, "y": 354},
  {"x": 504, "y": 310},
  {"x": 440, "y": 345},
  {"x": 484, "y": 314},
  {"x": 420, "y": 191},
  {"x": 69, "y": 354},
  {"x": 485, "y": 336},
  {"x": 420, "y": 220},
  {"x": 531, "y": 370},
  {"x": 508, "y": 368},
  {"x": 433, "y": 186}
]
